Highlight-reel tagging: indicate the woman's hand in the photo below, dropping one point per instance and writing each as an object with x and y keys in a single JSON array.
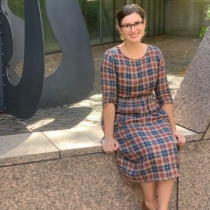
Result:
[
  {"x": 180, "y": 138},
  {"x": 110, "y": 145}
]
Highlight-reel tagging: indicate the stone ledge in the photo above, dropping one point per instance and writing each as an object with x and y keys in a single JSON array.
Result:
[
  {"x": 24, "y": 148},
  {"x": 80, "y": 140},
  {"x": 189, "y": 135},
  {"x": 39, "y": 146}
]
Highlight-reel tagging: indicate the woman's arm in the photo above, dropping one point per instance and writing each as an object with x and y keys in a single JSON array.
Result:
[
  {"x": 168, "y": 108},
  {"x": 109, "y": 143},
  {"x": 109, "y": 115},
  {"x": 164, "y": 97},
  {"x": 109, "y": 94}
]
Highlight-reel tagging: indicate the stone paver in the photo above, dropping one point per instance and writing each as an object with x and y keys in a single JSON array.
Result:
[
  {"x": 178, "y": 53},
  {"x": 26, "y": 147}
]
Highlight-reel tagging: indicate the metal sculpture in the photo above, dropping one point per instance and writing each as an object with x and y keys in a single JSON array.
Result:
[
  {"x": 73, "y": 79},
  {"x": 22, "y": 100}
]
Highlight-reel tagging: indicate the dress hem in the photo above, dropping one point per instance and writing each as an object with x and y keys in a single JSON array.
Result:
[{"x": 134, "y": 181}]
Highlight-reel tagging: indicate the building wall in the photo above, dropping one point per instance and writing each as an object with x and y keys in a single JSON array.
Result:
[{"x": 186, "y": 17}]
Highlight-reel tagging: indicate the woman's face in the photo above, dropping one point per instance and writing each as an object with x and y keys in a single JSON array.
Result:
[{"x": 132, "y": 27}]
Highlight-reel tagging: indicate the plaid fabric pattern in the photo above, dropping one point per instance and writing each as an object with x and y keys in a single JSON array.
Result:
[{"x": 138, "y": 88}]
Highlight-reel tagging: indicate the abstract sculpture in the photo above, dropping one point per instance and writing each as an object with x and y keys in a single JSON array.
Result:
[{"x": 73, "y": 79}]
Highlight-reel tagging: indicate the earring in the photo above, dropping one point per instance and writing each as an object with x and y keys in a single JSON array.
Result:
[{"x": 122, "y": 37}]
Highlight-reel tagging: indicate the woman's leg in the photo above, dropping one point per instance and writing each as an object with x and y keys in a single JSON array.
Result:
[
  {"x": 149, "y": 195},
  {"x": 164, "y": 193}
]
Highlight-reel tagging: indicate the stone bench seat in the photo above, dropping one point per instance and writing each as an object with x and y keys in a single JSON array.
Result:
[{"x": 67, "y": 169}]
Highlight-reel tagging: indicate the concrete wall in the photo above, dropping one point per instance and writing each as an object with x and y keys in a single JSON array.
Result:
[
  {"x": 185, "y": 17},
  {"x": 58, "y": 170},
  {"x": 64, "y": 170},
  {"x": 80, "y": 183}
]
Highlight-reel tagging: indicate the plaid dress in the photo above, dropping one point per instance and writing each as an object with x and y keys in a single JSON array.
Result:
[{"x": 138, "y": 87}]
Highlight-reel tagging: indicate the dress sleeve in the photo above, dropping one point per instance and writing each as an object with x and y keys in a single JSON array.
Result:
[
  {"x": 162, "y": 90},
  {"x": 108, "y": 80}
]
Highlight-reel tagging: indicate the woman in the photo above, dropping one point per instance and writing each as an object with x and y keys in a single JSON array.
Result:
[{"x": 137, "y": 118}]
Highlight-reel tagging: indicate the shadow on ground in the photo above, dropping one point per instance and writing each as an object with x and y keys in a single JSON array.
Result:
[{"x": 45, "y": 120}]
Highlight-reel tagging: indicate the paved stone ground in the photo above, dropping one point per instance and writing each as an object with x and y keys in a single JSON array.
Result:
[{"x": 178, "y": 53}]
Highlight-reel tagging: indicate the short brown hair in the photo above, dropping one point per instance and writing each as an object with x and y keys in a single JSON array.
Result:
[{"x": 127, "y": 10}]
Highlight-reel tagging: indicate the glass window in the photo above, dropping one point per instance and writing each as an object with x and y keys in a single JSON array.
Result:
[
  {"x": 93, "y": 20},
  {"x": 108, "y": 23},
  {"x": 140, "y": 3},
  {"x": 151, "y": 18},
  {"x": 50, "y": 42},
  {"x": 17, "y": 7},
  {"x": 130, "y": 1},
  {"x": 100, "y": 18},
  {"x": 145, "y": 6},
  {"x": 157, "y": 17},
  {"x": 162, "y": 16},
  {"x": 118, "y": 5}
]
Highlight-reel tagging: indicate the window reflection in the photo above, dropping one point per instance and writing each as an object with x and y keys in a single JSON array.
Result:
[
  {"x": 100, "y": 18},
  {"x": 93, "y": 21},
  {"x": 108, "y": 21}
]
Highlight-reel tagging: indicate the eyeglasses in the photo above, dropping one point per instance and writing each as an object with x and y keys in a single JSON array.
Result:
[{"x": 128, "y": 26}]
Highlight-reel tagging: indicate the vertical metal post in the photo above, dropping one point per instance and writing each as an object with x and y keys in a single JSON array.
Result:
[
  {"x": 164, "y": 14},
  {"x": 1, "y": 70},
  {"x": 114, "y": 21},
  {"x": 148, "y": 20},
  {"x": 160, "y": 12},
  {"x": 101, "y": 22},
  {"x": 154, "y": 11}
]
